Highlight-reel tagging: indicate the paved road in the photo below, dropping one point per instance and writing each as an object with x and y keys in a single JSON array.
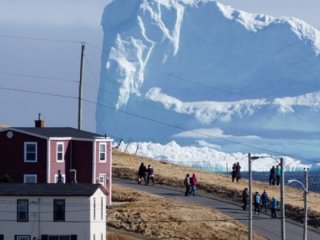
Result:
[{"x": 262, "y": 224}]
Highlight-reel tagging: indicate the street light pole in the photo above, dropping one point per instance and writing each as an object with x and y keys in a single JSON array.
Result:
[
  {"x": 305, "y": 188},
  {"x": 250, "y": 158},
  {"x": 250, "y": 197},
  {"x": 283, "y": 210},
  {"x": 305, "y": 229}
]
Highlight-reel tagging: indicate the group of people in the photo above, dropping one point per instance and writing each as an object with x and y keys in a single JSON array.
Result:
[
  {"x": 190, "y": 182},
  {"x": 145, "y": 174},
  {"x": 235, "y": 174},
  {"x": 260, "y": 202},
  {"x": 275, "y": 175}
]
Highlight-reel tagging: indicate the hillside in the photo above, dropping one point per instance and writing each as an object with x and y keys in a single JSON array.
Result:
[{"x": 125, "y": 166}]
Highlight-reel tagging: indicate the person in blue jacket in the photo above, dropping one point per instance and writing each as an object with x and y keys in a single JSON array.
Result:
[{"x": 274, "y": 206}]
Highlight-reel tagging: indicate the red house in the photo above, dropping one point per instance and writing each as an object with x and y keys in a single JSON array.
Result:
[{"x": 51, "y": 154}]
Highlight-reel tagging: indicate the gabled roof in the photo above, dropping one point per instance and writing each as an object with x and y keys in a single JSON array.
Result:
[
  {"x": 58, "y": 132},
  {"x": 67, "y": 189}
]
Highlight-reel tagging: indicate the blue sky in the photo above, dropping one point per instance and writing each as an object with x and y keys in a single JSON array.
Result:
[{"x": 40, "y": 40}]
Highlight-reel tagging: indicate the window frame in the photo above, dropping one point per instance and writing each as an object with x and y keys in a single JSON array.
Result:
[
  {"x": 35, "y": 176},
  {"x": 103, "y": 177},
  {"x": 102, "y": 152},
  {"x": 26, "y": 153},
  {"x": 60, "y": 152},
  {"x": 102, "y": 208},
  {"x": 94, "y": 202},
  {"x": 57, "y": 212},
  {"x": 25, "y": 201}
]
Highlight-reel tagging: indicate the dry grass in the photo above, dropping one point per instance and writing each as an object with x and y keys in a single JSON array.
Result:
[
  {"x": 155, "y": 217},
  {"x": 126, "y": 166}
]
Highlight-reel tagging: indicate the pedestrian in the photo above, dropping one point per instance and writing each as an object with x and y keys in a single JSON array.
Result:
[
  {"x": 187, "y": 184},
  {"x": 274, "y": 206},
  {"x": 278, "y": 174},
  {"x": 150, "y": 173},
  {"x": 245, "y": 196},
  {"x": 142, "y": 173},
  {"x": 238, "y": 174},
  {"x": 233, "y": 173},
  {"x": 272, "y": 176},
  {"x": 264, "y": 201},
  {"x": 257, "y": 201},
  {"x": 193, "y": 183}
]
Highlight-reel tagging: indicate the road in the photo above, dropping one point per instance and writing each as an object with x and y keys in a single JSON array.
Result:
[{"x": 262, "y": 224}]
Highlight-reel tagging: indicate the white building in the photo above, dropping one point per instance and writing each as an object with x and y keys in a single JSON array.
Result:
[{"x": 52, "y": 212}]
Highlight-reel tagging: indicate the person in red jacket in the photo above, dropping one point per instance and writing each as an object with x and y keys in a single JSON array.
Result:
[{"x": 193, "y": 183}]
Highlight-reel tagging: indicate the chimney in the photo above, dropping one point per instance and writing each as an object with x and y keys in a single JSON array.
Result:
[{"x": 39, "y": 123}]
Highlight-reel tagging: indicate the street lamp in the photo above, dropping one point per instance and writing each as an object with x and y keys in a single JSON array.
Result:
[
  {"x": 250, "y": 159},
  {"x": 305, "y": 188},
  {"x": 283, "y": 228}
]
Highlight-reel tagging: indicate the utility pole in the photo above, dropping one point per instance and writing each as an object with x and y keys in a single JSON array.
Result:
[
  {"x": 283, "y": 210},
  {"x": 80, "y": 87},
  {"x": 250, "y": 197},
  {"x": 306, "y": 187}
]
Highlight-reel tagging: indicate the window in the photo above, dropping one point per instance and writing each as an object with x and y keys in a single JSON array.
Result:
[
  {"x": 30, "y": 178},
  {"x": 30, "y": 152},
  {"x": 102, "y": 208},
  {"x": 22, "y": 210},
  {"x": 102, "y": 179},
  {"x": 94, "y": 209},
  {"x": 59, "y": 210},
  {"x": 102, "y": 152},
  {"x": 60, "y": 152},
  {"x": 22, "y": 237}
]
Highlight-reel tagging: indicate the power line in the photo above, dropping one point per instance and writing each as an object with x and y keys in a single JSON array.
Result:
[
  {"x": 39, "y": 39},
  {"x": 37, "y": 77}
]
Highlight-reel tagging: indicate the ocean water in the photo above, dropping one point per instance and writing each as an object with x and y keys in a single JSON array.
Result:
[{"x": 313, "y": 178}]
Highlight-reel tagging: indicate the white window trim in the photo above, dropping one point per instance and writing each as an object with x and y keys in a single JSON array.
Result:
[
  {"x": 60, "y": 143},
  {"x": 36, "y": 152},
  {"x": 30, "y": 175},
  {"x": 105, "y": 152},
  {"x": 63, "y": 178},
  {"x": 104, "y": 176}
]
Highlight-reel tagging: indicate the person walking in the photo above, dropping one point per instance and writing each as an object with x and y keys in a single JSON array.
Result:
[
  {"x": 187, "y": 184},
  {"x": 257, "y": 201},
  {"x": 142, "y": 173},
  {"x": 234, "y": 172},
  {"x": 264, "y": 201},
  {"x": 272, "y": 176},
  {"x": 193, "y": 183},
  {"x": 245, "y": 197},
  {"x": 150, "y": 173},
  {"x": 238, "y": 174},
  {"x": 278, "y": 174},
  {"x": 274, "y": 206}
]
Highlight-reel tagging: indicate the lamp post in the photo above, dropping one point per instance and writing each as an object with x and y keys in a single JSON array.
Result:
[
  {"x": 250, "y": 158},
  {"x": 305, "y": 188},
  {"x": 283, "y": 219}
]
